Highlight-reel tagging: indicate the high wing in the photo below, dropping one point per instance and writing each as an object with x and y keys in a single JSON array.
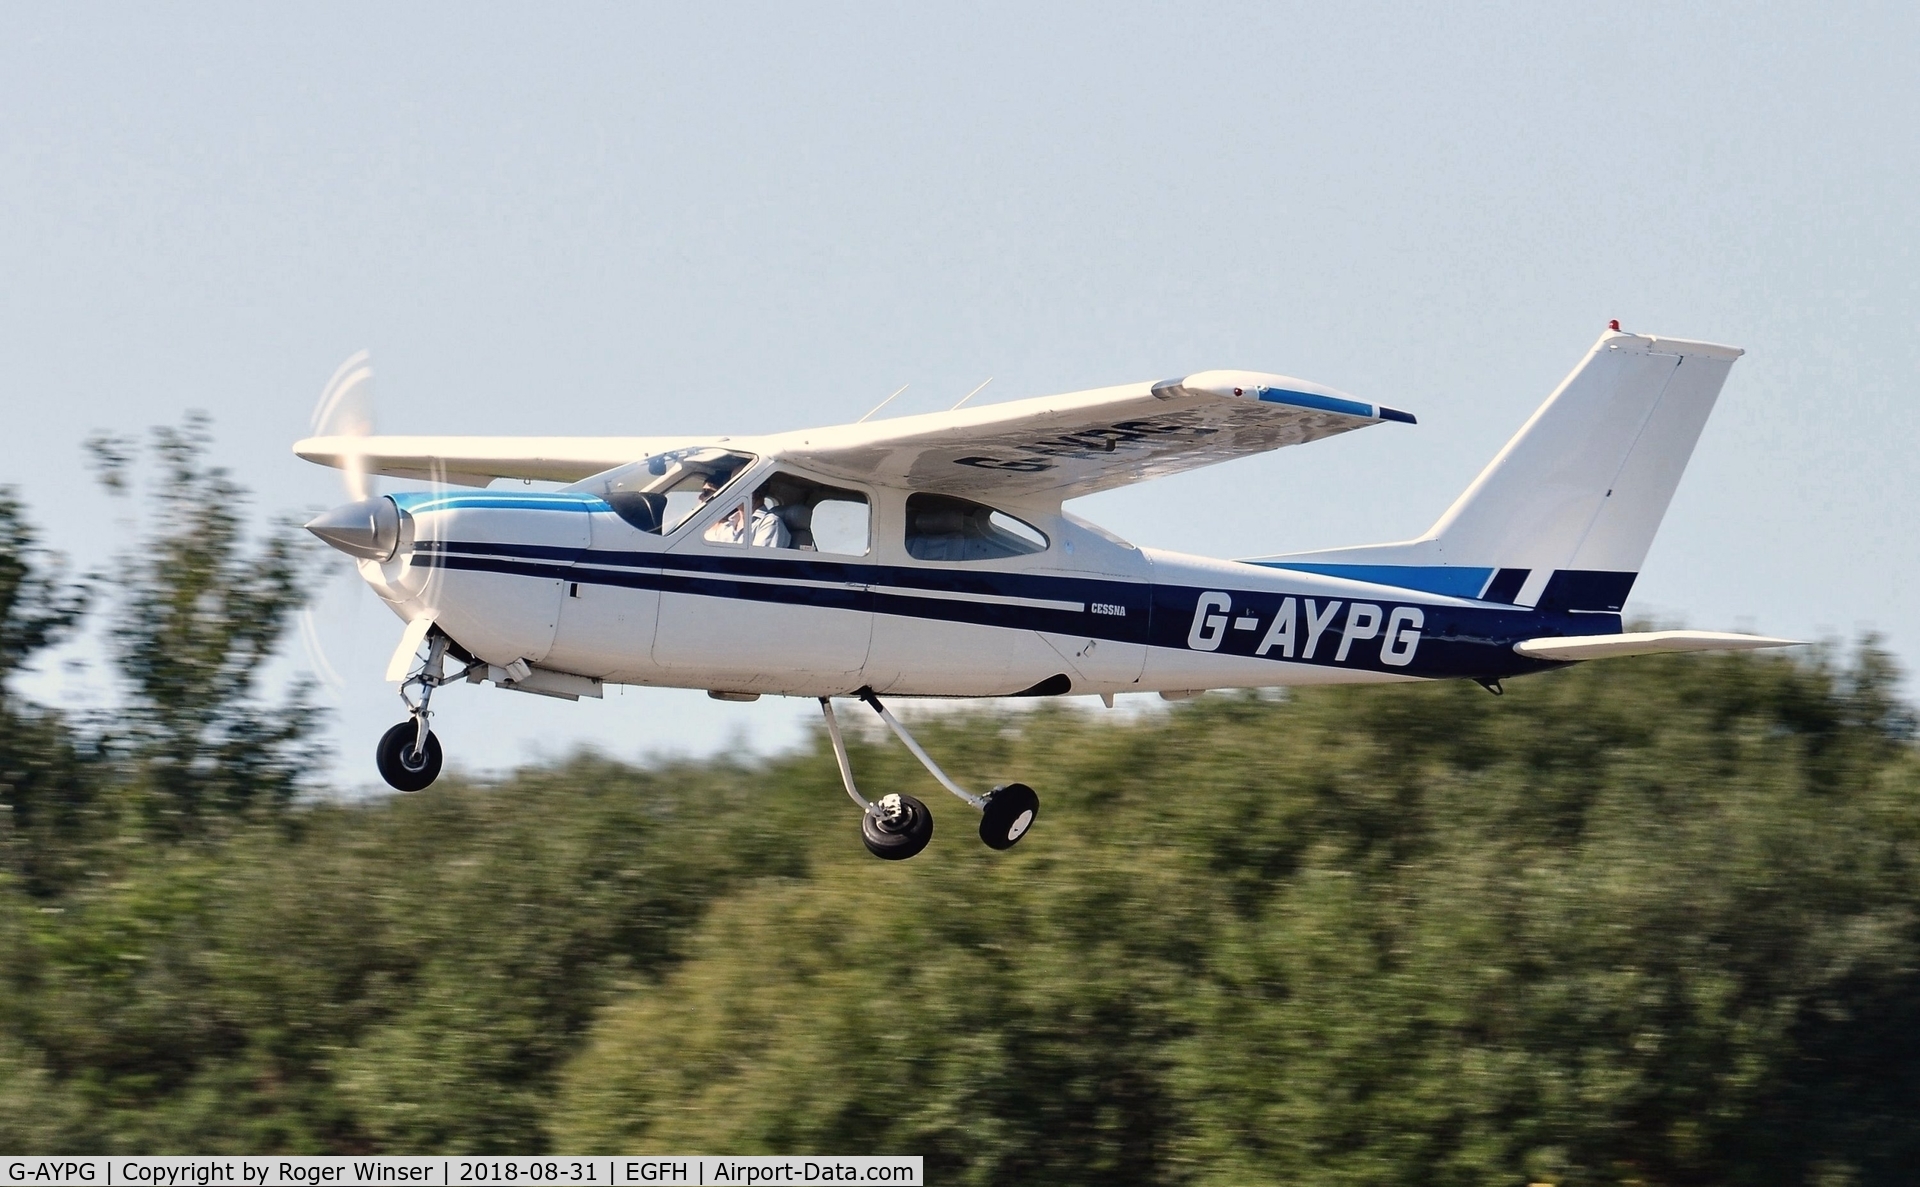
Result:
[
  {"x": 1052, "y": 447},
  {"x": 1061, "y": 447},
  {"x": 476, "y": 461}
]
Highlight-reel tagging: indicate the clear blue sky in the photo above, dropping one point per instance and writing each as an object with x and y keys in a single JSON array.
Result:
[{"x": 694, "y": 218}]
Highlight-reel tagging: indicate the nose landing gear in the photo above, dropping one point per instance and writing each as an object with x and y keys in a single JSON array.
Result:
[
  {"x": 409, "y": 755},
  {"x": 898, "y": 826},
  {"x": 404, "y": 762}
]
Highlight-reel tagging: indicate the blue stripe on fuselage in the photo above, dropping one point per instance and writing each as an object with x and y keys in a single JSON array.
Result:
[
  {"x": 1454, "y": 640},
  {"x": 416, "y": 501},
  {"x": 1447, "y": 580}
]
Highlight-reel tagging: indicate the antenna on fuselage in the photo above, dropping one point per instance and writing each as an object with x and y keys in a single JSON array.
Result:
[
  {"x": 970, "y": 395},
  {"x": 884, "y": 403}
]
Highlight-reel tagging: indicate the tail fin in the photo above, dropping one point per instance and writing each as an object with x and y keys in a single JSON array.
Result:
[{"x": 1563, "y": 516}]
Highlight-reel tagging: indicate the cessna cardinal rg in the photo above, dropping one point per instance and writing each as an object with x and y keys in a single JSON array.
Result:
[{"x": 930, "y": 556}]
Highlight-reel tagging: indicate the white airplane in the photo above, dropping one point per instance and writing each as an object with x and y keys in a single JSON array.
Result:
[{"x": 931, "y": 556}]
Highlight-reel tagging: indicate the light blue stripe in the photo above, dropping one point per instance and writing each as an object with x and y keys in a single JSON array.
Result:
[
  {"x": 1453, "y": 581},
  {"x": 426, "y": 500},
  {"x": 1280, "y": 395}
]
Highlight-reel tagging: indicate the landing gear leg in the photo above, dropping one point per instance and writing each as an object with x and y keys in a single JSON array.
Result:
[
  {"x": 1006, "y": 812},
  {"x": 896, "y": 826},
  {"x": 409, "y": 755}
]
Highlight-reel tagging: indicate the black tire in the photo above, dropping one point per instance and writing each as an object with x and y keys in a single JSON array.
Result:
[
  {"x": 897, "y": 841},
  {"x": 400, "y": 765},
  {"x": 1010, "y": 812}
]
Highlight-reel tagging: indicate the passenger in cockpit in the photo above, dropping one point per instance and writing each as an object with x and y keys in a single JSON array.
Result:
[{"x": 768, "y": 530}]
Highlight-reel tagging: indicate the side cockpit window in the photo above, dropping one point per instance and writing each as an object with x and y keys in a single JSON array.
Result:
[
  {"x": 807, "y": 516},
  {"x": 945, "y": 528},
  {"x": 662, "y": 492}
]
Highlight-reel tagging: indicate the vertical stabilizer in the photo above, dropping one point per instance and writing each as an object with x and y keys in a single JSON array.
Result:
[{"x": 1563, "y": 516}]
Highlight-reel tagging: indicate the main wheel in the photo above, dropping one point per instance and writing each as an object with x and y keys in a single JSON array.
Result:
[
  {"x": 902, "y": 829},
  {"x": 1010, "y": 812},
  {"x": 403, "y": 767}
]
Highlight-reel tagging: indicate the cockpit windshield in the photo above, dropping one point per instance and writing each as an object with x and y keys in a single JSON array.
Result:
[{"x": 660, "y": 493}]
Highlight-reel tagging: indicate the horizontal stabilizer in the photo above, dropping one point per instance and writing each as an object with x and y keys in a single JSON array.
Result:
[{"x": 1644, "y": 643}]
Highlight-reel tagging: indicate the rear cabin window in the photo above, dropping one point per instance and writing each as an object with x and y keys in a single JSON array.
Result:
[{"x": 944, "y": 528}]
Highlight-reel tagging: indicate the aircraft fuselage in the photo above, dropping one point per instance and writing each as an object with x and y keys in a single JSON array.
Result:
[{"x": 558, "y": 582}]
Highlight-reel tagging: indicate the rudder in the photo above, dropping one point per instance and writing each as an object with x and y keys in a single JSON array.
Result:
[{"x": 1564, "y": 514}]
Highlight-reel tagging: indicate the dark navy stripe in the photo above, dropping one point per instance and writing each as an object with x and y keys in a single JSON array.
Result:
[
  {"x": 833, "y": 597},
  {"x": 1134, "y": 627},
  {"x": 533, "y": 551},
  {"x": 1130, "y": 627},
  {"x": 1131, "y": 594},
  {"x": 1586, "y": 591},
  {"x": 1505, "y": 586},
  {"x": 1454, "y": 641}
]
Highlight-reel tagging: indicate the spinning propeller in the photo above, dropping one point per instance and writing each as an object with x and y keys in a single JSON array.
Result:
[
  {"x": 369, "y": 528},
  {"x": 345, "y": 408}
]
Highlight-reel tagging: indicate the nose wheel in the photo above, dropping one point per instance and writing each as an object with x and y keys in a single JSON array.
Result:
[
  {"x": 405, "y": 762},
  {"x": 409, "y": 755},
  {"x": 896, "y": 827}
]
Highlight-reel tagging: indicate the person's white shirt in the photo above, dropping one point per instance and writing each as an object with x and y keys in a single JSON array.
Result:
[{"x": 768, "y": 530}]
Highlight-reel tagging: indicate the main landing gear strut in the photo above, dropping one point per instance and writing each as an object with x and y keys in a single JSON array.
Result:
[
  {"x": 896, "y": 827},
  {"x": 409, "y": 754}
]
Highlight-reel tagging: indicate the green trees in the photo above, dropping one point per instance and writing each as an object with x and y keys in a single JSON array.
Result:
[
  {"x": 1649, "y": 921},
  {"x": 198, "y": 614},
  {"x": 46, "y": 795},
  {"x": 1608, "y": 929}
]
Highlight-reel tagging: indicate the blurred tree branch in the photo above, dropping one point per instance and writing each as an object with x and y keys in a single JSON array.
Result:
[{"x": 198, "y": 613}]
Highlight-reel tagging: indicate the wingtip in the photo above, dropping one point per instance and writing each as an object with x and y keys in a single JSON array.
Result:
[{"x": 1394, "y": 414}]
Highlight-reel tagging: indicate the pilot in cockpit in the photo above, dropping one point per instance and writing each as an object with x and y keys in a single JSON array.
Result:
[{"x": 768, "y": 530}]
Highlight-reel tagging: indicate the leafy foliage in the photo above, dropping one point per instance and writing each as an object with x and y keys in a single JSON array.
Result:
[
  {"x": 37, "y": 605},
  {"x": 45, "y": 796},
  {"x": 199, "y": 614},
  {"x": 1607, "y": 929}
]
